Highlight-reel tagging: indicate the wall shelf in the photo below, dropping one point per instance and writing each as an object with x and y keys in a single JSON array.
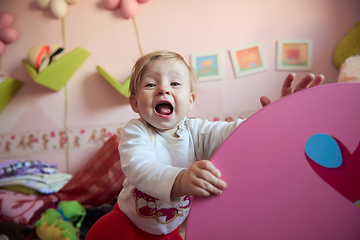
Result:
[
  {"x": 121, "y": 88},
  {"x": 8, "y": 88},
  {"x": 56, "y": 75}
]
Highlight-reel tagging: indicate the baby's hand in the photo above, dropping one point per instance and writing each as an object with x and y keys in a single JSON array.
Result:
[
  {"x": 308, "y": 81},
  {"x": 200, "y": 179}
]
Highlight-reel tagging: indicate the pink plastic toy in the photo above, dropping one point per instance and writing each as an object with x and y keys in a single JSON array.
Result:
[{"x": 292, "y": 172}]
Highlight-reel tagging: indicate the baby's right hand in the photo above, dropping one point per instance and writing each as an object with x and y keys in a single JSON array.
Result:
[{"x": 200, "y": 179}]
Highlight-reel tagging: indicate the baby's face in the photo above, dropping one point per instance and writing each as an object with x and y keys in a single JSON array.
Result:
[{"x": 163, "y": 97}]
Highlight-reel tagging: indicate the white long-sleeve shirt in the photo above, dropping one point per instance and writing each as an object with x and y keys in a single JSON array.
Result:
[{"x": 151, "y": 161}]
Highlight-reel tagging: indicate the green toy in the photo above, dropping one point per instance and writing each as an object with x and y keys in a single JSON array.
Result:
[
  {"x": 59, "y": 224},
  {"x": 348, "y": 46},
  {"x": 72, "y": 211}
]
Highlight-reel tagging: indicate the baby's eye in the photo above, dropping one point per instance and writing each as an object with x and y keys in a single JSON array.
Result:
[
  {"x": 150, "y": 85},
  {"x": 175, "y": 84}
]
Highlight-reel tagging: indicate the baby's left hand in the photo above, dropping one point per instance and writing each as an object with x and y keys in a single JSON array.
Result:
[
  {"x": 201, "y": 179},
  {"x": 308, "y": 81}
]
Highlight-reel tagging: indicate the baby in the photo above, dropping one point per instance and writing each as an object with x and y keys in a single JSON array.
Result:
[{"x": 164, "y": 155}]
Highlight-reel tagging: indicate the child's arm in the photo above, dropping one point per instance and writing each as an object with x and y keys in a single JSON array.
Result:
[
  {"x": 200, "y": 179},
  {"x": 308, "y": 81}
]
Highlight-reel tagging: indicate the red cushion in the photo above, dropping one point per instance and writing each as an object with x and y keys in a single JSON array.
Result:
[
  {"x": 23, "y": 209},
  {"x": 100, "y": 180}
]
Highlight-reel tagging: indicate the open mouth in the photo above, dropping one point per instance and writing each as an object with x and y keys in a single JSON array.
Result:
[{"x": 164, "y": 108}]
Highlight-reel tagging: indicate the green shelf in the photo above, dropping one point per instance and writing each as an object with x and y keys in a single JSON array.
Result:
[
  {"x": 58, "y": 73},
  {"x": 121, "y": 88},
  {"x": 8, "y": 88}
]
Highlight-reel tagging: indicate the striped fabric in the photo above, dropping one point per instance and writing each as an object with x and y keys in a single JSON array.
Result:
[{"x": 100, "y": 180}]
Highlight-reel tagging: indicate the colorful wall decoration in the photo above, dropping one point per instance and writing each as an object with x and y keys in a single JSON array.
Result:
[
  {"x": 294, "y": 54},
  {"x": 248, "y": 59},
  {"x": 84, "y": 138},
  {"x": 208, "y": 66}
]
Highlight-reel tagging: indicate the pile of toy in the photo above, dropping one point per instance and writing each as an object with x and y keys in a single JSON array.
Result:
[{"x": 28, "y": 204}]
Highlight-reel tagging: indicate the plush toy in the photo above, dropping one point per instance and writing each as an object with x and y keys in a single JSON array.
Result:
[
  {"x": 350, "y": 70},
  {"x": 58, "y": 224},
  {"x": 348, "y": 46},
  {"x": 40, "y": 56},
  {"x": 52, "y": 226},
  {"x": 72, "y": 211}
]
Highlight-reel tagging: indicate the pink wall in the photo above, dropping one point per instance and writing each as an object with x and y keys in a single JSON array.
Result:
[{"x": 184, "y": 26}]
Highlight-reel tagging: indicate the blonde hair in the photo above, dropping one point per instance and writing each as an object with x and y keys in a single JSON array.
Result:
[{"x": 142, "y": 64}]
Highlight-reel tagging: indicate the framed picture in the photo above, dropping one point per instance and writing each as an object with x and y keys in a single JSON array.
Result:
[
  {"x": 208, "y": 66},
  {"x": 294, "y": 54},
  {"x": 248, "y": 59}
]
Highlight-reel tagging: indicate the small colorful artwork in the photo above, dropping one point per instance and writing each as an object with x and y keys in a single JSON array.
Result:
[
  {"x": 294, "y": 55},
  {"x": 208, "y": 66},
  {"x": 248, "y": 59}
]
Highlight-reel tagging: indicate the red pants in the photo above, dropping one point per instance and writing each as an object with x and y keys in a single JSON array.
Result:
[{"x": 116, "y": 225}]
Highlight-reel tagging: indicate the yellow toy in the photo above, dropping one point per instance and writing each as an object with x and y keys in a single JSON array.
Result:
[
  {"x": 58, "y": 224},
  {"x": 348, "y": 46}
]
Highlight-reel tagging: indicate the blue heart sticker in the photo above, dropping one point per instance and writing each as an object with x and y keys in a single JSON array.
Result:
[{"x": 324, "y": 150}]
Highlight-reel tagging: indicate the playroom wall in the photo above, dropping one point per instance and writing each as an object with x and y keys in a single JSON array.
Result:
[{"x": 88, "y": 102}]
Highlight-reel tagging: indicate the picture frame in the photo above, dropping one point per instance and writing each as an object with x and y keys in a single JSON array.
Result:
[
  {"x": 207, "y": 65},
  {"x": 294, "y": 54},
  {"x": 248, "y": 59}
]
